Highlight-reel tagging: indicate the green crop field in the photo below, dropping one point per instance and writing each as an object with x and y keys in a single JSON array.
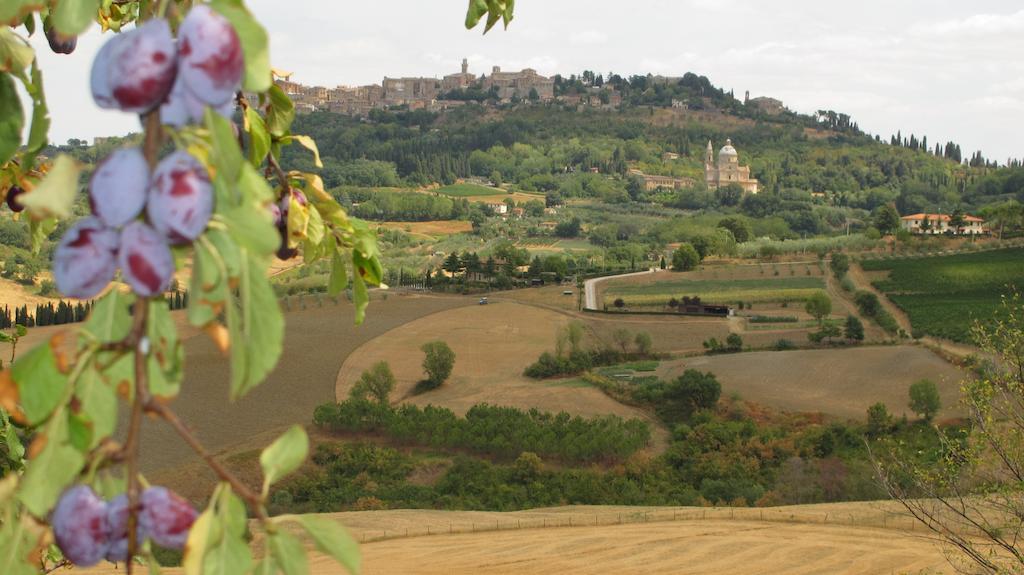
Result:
[
  {"x": 468, "y": 190},
  {"x": 945, "y": 295},
  {"x": 777, "y": 290}
]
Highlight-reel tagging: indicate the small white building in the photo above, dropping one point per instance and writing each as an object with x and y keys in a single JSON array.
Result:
[{"x": 936, "y": 224}]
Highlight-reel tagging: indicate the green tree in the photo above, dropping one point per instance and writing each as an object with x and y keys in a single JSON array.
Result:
[
  {"x": 644, "y": 344},
  {"x": 685, "y": 258},
  {"x": 854, "y": 329},
  {"x": 840, "y": 264},
  {"x": 622, "y": 338},
  {"x": 924, "y": 399},
  {"x": 886, "y": 219},
  {"x": 734, "y": 343},
  {"x": 689, "y": 393},
  {"x": 453, "y": 263},
  {"x": 729, "y": 195},
  {"x": 819, "y": 306},
  {"x": 376, "y": 383},
  {"x": 879, "y": 420},
  {"x": 438, "y": 363},
  {"x": 739, "y": 227}
]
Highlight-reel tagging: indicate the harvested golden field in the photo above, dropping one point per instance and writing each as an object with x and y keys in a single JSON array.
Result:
[
  {"x": 840, "y": 382},
  {"x": 436, "y": 229},
  {"x": 849, "y": 538},
  {"x": 492, "y": 345},
  {"x": 670, "y": 334}
]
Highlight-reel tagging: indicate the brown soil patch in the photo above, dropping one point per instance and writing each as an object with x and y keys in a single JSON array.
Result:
[
  {"x": 840, "y": 382},
  {"x": 317, "y": 341}
]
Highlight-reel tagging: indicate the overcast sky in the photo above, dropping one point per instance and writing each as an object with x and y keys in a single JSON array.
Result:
[{"x": 946, "y": 69}]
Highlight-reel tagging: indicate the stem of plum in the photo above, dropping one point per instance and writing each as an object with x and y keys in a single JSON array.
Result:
[{"x": 131, "y": 447}]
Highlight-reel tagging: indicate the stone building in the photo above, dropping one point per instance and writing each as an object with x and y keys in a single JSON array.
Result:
[
  {"x": 653, "y": 183},
  {"x": 519, "y": 84},
  {"x": 459, "y": 81},
  {"x": 398, "y": 91},
  {"x": 769, "y": 106},
  {"x": 727, "y": 169}
]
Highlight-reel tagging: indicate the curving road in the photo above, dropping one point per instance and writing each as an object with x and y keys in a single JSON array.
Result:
[{"x": 590, "y": 286}]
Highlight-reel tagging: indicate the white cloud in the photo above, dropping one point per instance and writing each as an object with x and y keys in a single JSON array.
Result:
[
  {"x": 977, "y": 24},
  {"x": 588, "y": 38}
]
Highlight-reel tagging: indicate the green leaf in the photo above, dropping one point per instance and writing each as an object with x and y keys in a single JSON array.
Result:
[
  {"x": 38, "y": 134},
  {"x": 510, "y": 6},
  {"x": 254, "y": 189},
  {"x": 315, "y": 229},
  {"x": 72, "y": 17},
  {"x": 360, "y": 296},
  {"x": 98, "y": 402},
  {"x": 209, "y": 289},
  {"x": 53, "y": 469},
  {"x": 259, "y": 138},
  {"x": 5, "y": 338},
  {"x": 298, "y": 221},
  {"x": 199, "y": 535},
  {"x": 41, "y": 384},
  {"x": 227, "y": 553},
  {"x": 332, "y": 539},
  {"x": 255, "y": 44},
  {"x": 110, "y": 319},
  {"x": 309, "y": 144},
  {"x": 256, "y": 327},
  {"x": 227, "y": 249},
  {"x": 15, "y": 53},
  {"x": 39, "y": 230},
  {"x": 339, "y": 276},
  {"x": 288, "y": 553},
  {"x": 20, "y": 330},
  {"x": 55, "y": 195},
  {"x": 16, "y": 542},
  {"x": 477, "y": 8},
  {"x": 12, "y": 119},
  {"x": 285, "y": 455},
  {"x": 167, "y": 355},
  {"x": 227, "y": 158},
  {"x": 252, "y": 230},
  {"x": 281, "y": 113}
]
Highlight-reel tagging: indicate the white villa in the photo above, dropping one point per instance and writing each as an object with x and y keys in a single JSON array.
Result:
[{"x": 939, "y": 224}]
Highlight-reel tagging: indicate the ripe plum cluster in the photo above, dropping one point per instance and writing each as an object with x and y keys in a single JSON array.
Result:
[
  {"x": 88, "y": 529},
  {"x": 140, "y": 71},
  {"x": 177, "y": 200},
  {"x": 146, "y": 68}
]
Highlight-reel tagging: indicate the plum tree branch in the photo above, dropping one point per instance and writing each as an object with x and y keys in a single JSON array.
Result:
[{"x": 251, "y": 497}]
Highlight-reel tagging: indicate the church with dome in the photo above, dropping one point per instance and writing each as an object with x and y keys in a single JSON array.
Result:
[{"x": 726, "y": 169}]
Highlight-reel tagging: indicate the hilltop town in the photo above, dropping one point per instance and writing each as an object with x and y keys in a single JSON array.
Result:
[{"x": 498, "y": 87}]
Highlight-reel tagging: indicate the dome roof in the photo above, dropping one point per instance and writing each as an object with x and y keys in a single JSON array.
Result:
[{"x": 727, "y": 149}]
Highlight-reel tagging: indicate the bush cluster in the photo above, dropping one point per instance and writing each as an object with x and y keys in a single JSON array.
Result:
[{"x": 490, "y": 430}]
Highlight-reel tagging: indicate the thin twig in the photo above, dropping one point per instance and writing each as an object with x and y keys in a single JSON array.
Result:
[{"x": 252, "y": 498}]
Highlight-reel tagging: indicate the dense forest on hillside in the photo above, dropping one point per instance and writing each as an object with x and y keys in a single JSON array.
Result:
[{"x": 538, "y": 147}]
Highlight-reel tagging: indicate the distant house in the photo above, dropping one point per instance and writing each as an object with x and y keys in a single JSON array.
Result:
[
  {"x": 500, "y": 209},
  {"x": 936, "y": 224}
]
